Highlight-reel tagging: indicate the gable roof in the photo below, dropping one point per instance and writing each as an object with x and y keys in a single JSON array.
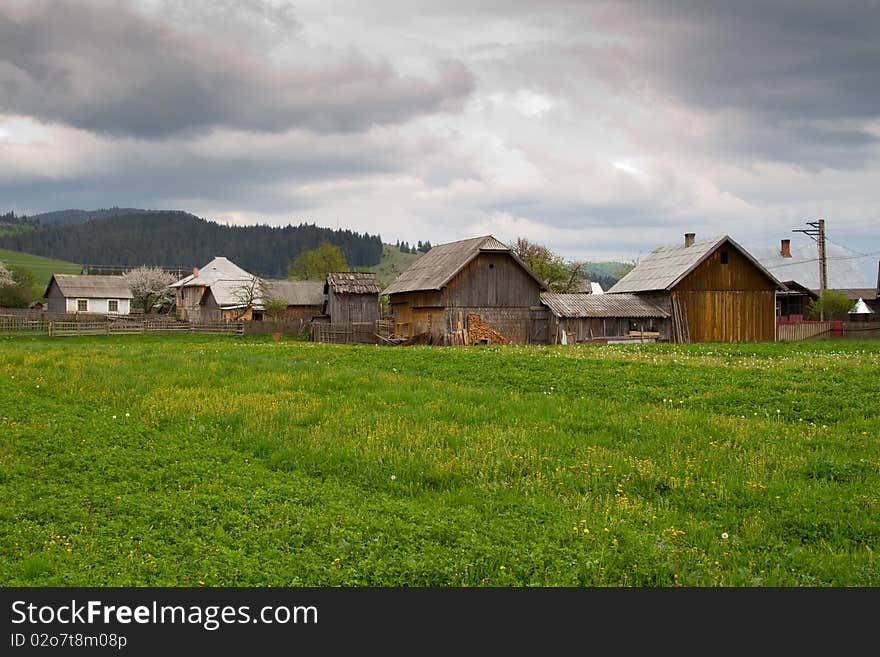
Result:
[
  {"x": 666, "y": 266},
  {"x": 236, "y": 293},
  {"x": 600, "y": 305},
  {"x": 94, "y": 287},
  {"x": 352, "y": 282},
  {"x": 218, "y": 269},
  {"x": 440, "y": 265},
  {"x": 296, "y": 293},
  {"x": 803, "y": 266},
  {"x": 861, "y": 308}
]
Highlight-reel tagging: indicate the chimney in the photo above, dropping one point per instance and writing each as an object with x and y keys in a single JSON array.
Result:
[
  {"x": 785, "y": 248},
  {"x": 689, "y": 239},
  {"x": 195, "y": 272}
]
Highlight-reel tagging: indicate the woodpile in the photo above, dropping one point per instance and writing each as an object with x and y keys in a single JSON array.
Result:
[{"x": 479, "y": 330}]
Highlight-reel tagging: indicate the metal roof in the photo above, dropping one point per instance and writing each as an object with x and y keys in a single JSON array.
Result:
[
  {"x": 296, "y": 293},
  {"x": 666, "y": 266},
  {"x": 219, "y": 268},
  {"x": 438, "y": 266},
  {"x": 94, "y": 287},
  {"x": 860, "y": 308},
  {"x": 600, "y": 305},
  {"x": 352, "y": 282},
  {"x": 803, "y": 266},
  {"x": 237, "y": 293}
]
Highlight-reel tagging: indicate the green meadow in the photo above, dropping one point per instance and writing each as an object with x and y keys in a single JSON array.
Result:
[{"x": 243, "y": 461}]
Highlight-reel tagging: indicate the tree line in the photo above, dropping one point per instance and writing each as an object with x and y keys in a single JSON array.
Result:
[{"x": 174, "y": 239}]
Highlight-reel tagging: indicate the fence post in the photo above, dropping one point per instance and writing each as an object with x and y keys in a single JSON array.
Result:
[{"x": 51, "y": 327}]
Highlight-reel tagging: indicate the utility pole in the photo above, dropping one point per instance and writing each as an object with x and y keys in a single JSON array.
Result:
[{"x": 817, "y": 233}]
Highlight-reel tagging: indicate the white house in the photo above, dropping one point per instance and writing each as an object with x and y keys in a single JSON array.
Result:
[{"x": 76, "y": 293}]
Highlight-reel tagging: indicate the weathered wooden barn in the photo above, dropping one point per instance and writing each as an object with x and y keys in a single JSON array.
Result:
[
  {"x": 76, "y": 293},
  {"x": 302, "y": 300},
  {"x": 219, "y": 291},
  {"x": 351, "y": 297},
  {"x": 482, "y": 276},
  {"x": 714, "y": 290},
  {"x": 599, "y": 317}
]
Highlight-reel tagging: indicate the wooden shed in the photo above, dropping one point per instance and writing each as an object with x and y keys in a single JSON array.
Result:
[
  {"x": 599, "y": 317},
  {"x": 351, "y": 297},
  {"x": 714, "y": 290},
  {"x": 478, "y": 276}
]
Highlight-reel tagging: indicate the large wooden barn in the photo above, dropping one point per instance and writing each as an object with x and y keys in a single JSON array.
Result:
[
  {"x": 714, "y": 290},
  {"x": 478, "y": 276}
]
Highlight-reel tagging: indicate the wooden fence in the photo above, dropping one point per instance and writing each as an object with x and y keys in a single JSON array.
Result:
[
  {"x": 23, "y": 326},
  {"x": 788, "y": 332},
  {"x": 363, "y": 332}
]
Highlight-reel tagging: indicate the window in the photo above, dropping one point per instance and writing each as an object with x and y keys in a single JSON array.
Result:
[
  {"x": 113, "y": 305},
  {"x": 724, "y": 257},
  {"x": 82, "y": 305}
]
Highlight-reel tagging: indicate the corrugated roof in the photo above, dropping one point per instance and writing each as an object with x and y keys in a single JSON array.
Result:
[
  {"x": 600, "y": 305},
  {"x": 95, "y": 287},
  {"x": 219, "y": 268},
  {"x": 666, "y": 266},
  {"x": 296, "y": 293},
  {"x": 440, "y": 265},
  {"x": 803, "y": 266},
  {"x": 353, "y": 282}
]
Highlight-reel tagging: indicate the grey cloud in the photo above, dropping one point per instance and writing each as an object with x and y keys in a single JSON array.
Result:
[{"x": 101, "y": 67}]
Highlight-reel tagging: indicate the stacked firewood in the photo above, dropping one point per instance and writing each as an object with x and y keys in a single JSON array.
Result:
[{"x": 479, "y": 330}]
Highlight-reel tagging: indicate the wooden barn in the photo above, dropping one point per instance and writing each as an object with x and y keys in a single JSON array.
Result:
[
  {"x": 602, "y": 317},
  {"x": 714, "y": 290},
  {"x": 351, "y": 297},
  {"x": 77, "y": 293},
  {"x": 302, "y": 300},
  {"x": 481, "y": 276}
]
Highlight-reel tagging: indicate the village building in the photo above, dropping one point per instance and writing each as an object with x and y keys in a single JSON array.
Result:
[
  {"x": 714, "y": 290},
  {"x": 78, "y": 293},
  {"x": 479, "y": 278},
  {"x": 351, "y": 297},
  {"x": 219, "y": 291},
  {"x": 582, "y": 317},
  {"x": 301, "y": 300}
]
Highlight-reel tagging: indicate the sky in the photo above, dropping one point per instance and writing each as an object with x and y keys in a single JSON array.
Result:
[{"x": 599, "y": 129}]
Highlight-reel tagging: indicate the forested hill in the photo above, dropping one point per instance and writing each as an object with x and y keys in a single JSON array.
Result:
[{"x": 179, "y": 239}]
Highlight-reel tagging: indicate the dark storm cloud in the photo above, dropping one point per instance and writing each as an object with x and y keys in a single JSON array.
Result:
[
  {"x": 101, "y": 67},
  {"x": 784, "y": 60}
]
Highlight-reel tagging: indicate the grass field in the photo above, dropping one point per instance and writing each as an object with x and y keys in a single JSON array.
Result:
[
  {"x": 219, "y": 461},
  {"x": 42, "y": 268}
]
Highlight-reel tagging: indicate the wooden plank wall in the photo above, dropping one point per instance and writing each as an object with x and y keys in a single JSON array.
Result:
[{"x": 732, "y": 302}]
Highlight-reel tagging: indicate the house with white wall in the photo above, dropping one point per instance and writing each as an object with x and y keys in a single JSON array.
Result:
[{"x": 77, "y": 293}]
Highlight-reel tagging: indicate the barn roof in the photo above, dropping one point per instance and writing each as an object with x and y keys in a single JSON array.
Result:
[
  {"x": 842, "y": 269},
  {"x": 352, "y": 282},
  {"x": 219, "y": 268},
  {"x": 666, "y": 266},
  {"x": 440, "y": 265},
  {"x": 95, "y": 287},
  {"x": 600, "y": 305},
  {"x": 296, "y": 293}
]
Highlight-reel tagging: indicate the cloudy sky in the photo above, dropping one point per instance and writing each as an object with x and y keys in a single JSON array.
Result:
[{"x": 601, "y": 129}]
